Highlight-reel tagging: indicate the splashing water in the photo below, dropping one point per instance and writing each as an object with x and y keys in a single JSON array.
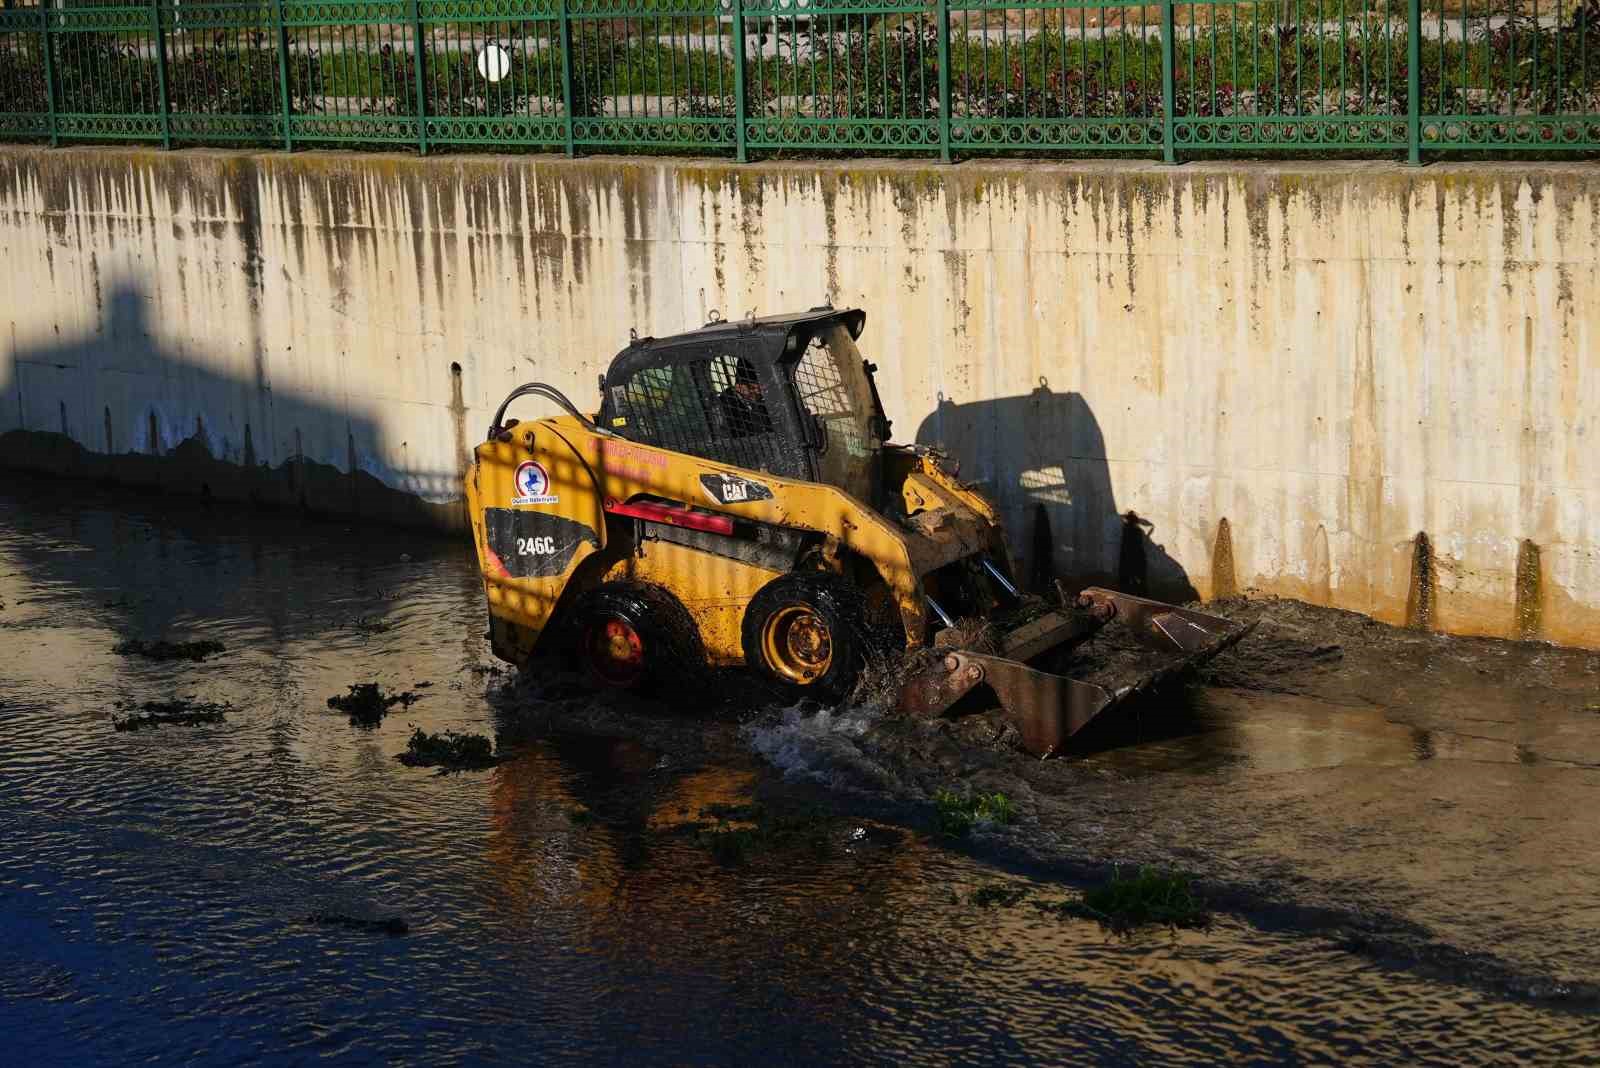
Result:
[{"x": 824, "y": 746}]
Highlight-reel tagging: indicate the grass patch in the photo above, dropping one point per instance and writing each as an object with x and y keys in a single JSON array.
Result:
[
  {"x": 741, "y": 831},
  {"x": 959, "y": 813},
  {"x": 159, "y": 650},
  {"x": 367, "y": 704},
  {"x": 1147, "y": 898},
  {"x": 450, "y": 751},
  {"x": 179, "y": 712}
]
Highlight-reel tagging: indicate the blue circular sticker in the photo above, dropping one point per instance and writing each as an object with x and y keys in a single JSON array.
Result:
[{"x": 532, "y": 484}]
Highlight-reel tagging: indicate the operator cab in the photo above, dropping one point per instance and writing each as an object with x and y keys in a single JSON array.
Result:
[{"x": 786, "y": 394}]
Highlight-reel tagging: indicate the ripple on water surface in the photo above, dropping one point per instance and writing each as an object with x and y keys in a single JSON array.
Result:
[{"x": 158, "y": 888}]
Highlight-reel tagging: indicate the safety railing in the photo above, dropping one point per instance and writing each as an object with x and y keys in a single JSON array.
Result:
[{"x": 943, "y": 77}]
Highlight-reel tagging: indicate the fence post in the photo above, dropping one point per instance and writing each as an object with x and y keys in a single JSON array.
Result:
[
  {"x": 161, "y": 73},
  {"x": 565, "y": 34},
  {"x": 944, "y": 80},
  {"x": 283, "y": 72},
  {"x": 1414, "y": 81},
  {"x": 49, "y": 73},
  {"x": 738, "y": 79},
  {"x": 417, "y": 78},
  {"x": 1169, "y": 147}
]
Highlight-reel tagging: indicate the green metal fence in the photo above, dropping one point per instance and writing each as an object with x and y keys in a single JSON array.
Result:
[{"x": 944, "y": 77}]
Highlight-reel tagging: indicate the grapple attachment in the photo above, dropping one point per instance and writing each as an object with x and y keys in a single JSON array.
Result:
[{"x": 1049, "y": 708}]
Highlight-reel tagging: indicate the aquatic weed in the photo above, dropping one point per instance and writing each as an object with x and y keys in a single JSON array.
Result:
[
  {"x": 179, "y": 712},
  {"x": 992, "y": 895},
  {"x": 451, "y": 751},
  {"x": 1149, "y": 897},
  {"x": 163, "y": 650},
  {"x": 393, "y": 925},
  {"x": 367, "y": 704},
  {"x": 959, "y": 813}
]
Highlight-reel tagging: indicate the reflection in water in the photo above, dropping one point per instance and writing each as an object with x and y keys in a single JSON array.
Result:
[{"x": 155, "y": 886}]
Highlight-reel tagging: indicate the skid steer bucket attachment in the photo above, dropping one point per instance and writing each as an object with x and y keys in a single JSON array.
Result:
[{"x": 1048, "y": 708}]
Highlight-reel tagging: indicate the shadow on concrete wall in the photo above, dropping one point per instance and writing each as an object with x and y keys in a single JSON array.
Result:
[
  {"x": 119, "y": 406},
  {"x": 1045, "y": 458}
]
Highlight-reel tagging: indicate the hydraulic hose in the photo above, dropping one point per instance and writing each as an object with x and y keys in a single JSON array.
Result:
[{"x": 540, "y": 389}]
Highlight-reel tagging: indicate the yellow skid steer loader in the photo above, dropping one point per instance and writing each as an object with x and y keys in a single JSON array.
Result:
[{"x": 735, "y": 502}]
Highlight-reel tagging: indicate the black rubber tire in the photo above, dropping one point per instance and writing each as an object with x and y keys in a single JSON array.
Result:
[
  {"x": 839, "y": 604},
  {"x": 673, "y": 655}
]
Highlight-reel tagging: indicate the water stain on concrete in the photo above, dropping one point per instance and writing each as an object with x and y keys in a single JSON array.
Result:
[
  {"x": 1321, "y": 591},
  {"x": 1224, "y": 582},
  {"x": 1420, "y": 595},
  {"x": 458, "y": 421},
  {"x": 112, "y": 209},
  {"x": 1529, "y": 609}
]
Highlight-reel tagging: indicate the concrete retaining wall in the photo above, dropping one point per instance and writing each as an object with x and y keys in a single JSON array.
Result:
[{"x": 1358, "y": 384}]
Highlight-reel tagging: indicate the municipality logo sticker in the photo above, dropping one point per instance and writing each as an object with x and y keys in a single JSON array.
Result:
[{"x": 533, "y": 485}]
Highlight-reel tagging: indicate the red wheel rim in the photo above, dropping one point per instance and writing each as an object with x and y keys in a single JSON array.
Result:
[{"x": 615, "y": 652}]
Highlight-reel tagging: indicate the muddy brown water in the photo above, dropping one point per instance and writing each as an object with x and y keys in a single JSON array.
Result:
[{"x": 1396, "y": 827}]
